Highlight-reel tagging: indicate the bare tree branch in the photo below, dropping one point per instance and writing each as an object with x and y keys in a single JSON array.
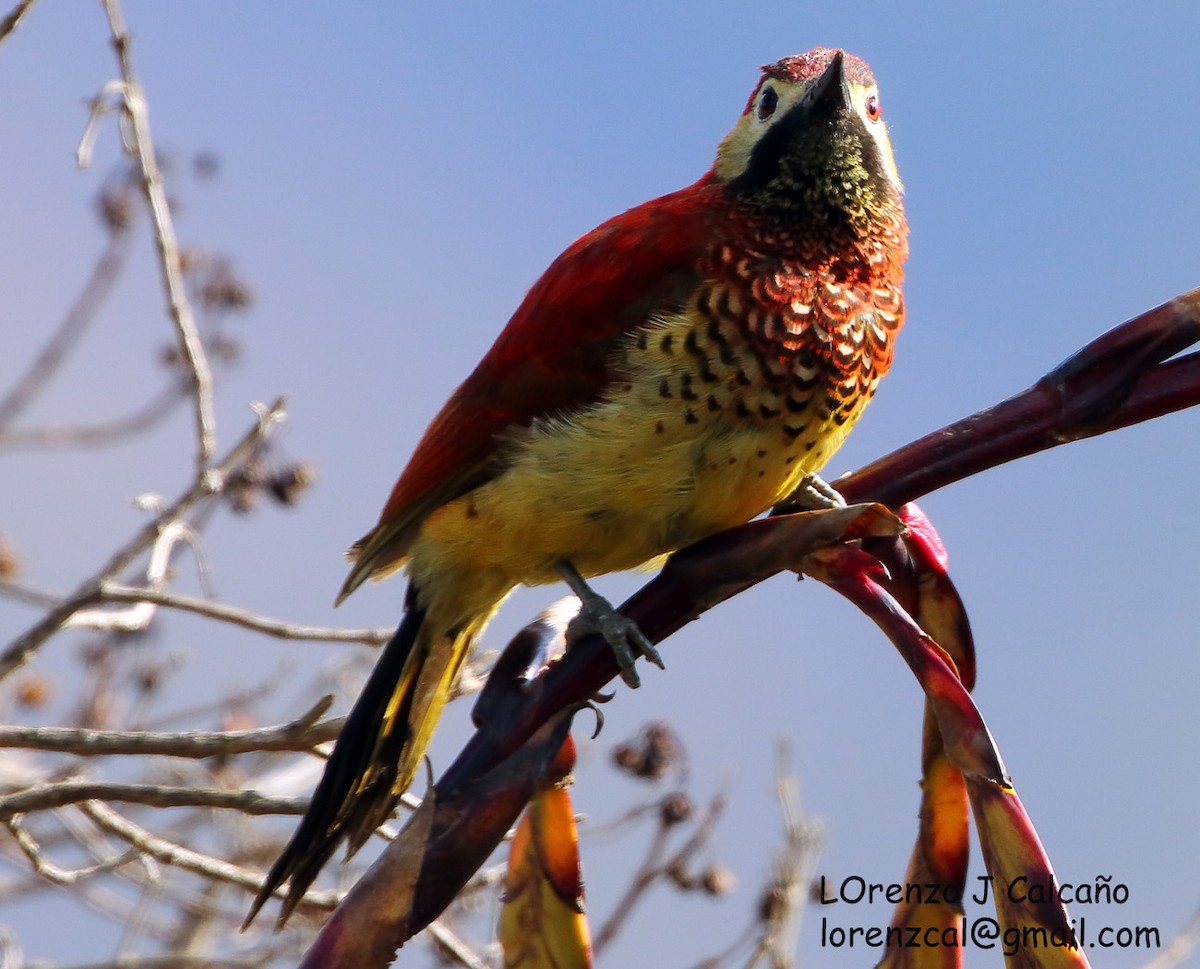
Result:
[
  {"x": 191, "y": 349},
  {"x": 207, "y": 483},
  {"x": 73, "y": 326},
  {"x": 63, "y": 436},
  {"x": 48, "y": 796},
  {"x": 53, "y": 873},
  {"x": 29, "y": 595},
  {"x": 10, "y": 22},
  {"x": 169, "y": 853},
  {"x": 454, "y": 947},
  {"x": 280, "y": 629},
  {"x": 783, "y": 902},
  {"x": 172, "y": 961},
  {"x": 658, "y": 865},
  {"x": 138, "y": 616},
  {"x": 298, "y": 735}
]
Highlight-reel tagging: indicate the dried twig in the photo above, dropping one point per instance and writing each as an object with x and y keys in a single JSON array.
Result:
[
  {"x": 454, "y": 947},
  {"x": 207, "y": 483},
  {"x": 62, "y": 436},
  {"x": 140, "y": 613},
  {"x": 783, "y": 901},
  {"x": 657, "y": 865},
  {"x": 10, "y": 22},
  {"x": 170, "y": 853},
  {"x": 141, "y": 146},
  {"x": 280, "y": 629},
  {"x": 196, "y": 744},
  {"x": 29, "y": 595},
  {"x": 174, "y": 960},
  {"x": 53, "y": 873},
  {"x": 48, "y": 796},
  {"x": 73, "y": 326}
]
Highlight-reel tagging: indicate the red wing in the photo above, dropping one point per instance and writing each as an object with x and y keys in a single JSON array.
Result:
[{"x": 551, "y": 359}]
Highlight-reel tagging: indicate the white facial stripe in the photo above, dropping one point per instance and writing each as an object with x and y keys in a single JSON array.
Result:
[
  {"x": 733, "y": 155},
  {"x": 859, "y": 96}
]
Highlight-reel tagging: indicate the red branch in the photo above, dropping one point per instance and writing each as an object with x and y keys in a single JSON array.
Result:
[{"x": 1117, "y": 380}]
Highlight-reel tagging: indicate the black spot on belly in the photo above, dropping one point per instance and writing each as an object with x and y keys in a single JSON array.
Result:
[
  {"x": 664, "y": 389},
  {"x": 665, "y": 345},
  {"x": 713, "y": 403},
  {"x": 658, "y": 428},
  {"x": 767, "y": 412},
  {"x": 741, "y": 409},
  {"x": 472, "y": 511},
  {"x": 690, "y": 417}
]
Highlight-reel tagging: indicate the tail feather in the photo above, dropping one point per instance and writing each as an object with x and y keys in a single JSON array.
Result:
[{"x": 378, "y": 752}]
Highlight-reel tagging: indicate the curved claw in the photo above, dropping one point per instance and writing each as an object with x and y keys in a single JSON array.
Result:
[
  {"x": 599, "y": 714},
  {"x": 621, "y": 633},
  {"x": 598, "y": 616},
  {"x": 813, "y": 493}
]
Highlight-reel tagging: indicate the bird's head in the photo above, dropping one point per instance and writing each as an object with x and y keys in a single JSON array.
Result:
[{"x": 810, "y": 156}]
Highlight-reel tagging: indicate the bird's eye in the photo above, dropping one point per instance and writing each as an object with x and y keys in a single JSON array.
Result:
[
  {"x": 874, "y": 111},
  {"x": 767, "y": 103}
]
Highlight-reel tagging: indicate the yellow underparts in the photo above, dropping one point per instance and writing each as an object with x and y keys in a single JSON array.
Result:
[{"x": 674, "y": 454}]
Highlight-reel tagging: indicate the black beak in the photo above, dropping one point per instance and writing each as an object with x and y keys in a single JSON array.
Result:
[{"x": 830, "y": 90}]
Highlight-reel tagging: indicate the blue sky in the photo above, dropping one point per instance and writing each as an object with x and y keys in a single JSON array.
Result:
[{"x": 394, "y": 177}]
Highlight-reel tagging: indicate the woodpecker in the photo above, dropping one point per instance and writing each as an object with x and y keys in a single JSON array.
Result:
[{"x": 675, "y": 372}]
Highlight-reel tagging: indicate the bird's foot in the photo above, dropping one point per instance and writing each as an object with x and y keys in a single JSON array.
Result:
[
  {"x": 597, "y": 615},
  {"x": 813, "y": 493}
]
